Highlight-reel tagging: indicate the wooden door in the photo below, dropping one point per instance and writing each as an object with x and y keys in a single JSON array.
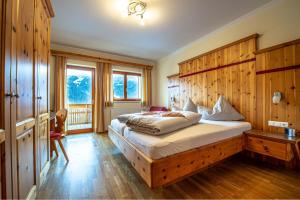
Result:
[
  {"x": 42, "y": 45},
  {"x": 22, "y": 106},
  {"x": 6, "y": 94}
]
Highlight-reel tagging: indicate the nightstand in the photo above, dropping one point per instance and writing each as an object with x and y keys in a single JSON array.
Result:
[{"x": 276, "y": 145}]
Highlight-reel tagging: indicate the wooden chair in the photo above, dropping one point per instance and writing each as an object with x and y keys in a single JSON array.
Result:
[{"x": 61, "y": 117}]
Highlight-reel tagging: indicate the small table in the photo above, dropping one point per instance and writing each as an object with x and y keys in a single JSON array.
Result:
[{"x": 276, "y": 145}]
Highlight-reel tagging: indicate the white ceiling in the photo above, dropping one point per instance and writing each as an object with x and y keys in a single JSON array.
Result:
[{"x": 170, "y": 24}]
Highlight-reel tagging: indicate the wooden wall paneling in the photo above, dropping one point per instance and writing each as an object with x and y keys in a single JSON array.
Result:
[
  {"x": 297, "y": 95},
  {"x": 228, "y": 71},
  {"x": 277, "y": 71},
  {"x": 297, "y": 54},
  {"x": 212, "y": 93},
  {"x": 173, "y": 90},
  {"x": 290, "y": 93},
  {"x": 236, "y": 91},
  {"x": 260, "y": 107}
]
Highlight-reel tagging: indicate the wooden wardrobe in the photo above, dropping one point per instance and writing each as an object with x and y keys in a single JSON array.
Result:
[{"x": 25, "y": 94}]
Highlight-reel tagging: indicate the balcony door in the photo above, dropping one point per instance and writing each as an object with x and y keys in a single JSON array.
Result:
[{"x": 80, "y": 94}]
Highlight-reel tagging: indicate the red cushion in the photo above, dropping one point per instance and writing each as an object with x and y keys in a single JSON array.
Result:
[
  {"x": 158, "y": 108},
  {"x": 54, "y": 135}
]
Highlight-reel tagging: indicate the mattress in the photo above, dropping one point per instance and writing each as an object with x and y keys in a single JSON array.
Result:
[
  {"x": 203, "y": 133},
  {"x": 118, "y": 126}
]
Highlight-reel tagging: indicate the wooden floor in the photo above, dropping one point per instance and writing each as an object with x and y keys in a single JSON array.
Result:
[{"x": 97, "y": 169}]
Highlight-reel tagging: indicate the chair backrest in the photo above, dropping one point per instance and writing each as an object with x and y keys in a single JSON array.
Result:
[{"x": 61, "y": 117}]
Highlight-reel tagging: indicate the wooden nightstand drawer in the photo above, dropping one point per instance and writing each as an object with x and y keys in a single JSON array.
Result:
[{"x": 275, "y": 149}]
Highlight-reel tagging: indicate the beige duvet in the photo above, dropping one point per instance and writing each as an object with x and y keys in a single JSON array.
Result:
[{"x": 158, "y": 125}]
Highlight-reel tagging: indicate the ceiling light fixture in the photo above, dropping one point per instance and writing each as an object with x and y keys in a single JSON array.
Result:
[{"x": 137, "y": 8}]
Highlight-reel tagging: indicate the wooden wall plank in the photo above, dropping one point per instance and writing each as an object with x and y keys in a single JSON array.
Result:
[
  {"x": 235, "y": 81},
  {"x": 248, "y": 86},
  {"x": 286, "y": 81}
]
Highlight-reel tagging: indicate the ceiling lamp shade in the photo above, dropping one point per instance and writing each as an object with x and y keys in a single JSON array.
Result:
[{"x": 137, "y": 8}]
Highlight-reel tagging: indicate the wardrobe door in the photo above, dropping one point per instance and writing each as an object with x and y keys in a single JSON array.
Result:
[
  {"x": 25, "y": 163},
  {"x": 24, "y": 104},
  {"x": 2, "y": 100},
  {"x": 6, "y": 95},
  {"x": 42, "y": 42}
]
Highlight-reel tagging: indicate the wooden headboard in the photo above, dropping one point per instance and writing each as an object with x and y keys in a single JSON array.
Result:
[
  {"x": 227, "y": 71},
  {"x": 247, "y": 78},
  {"x": 278, "y": 70}
]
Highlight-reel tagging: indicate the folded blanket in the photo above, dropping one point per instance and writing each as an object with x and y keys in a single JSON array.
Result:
[
  {"x": 124, "y": 118},
  {"x": 158, "y": 125}
]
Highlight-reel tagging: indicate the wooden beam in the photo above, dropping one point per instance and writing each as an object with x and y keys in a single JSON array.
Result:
[
  {"x": 98, "y": 59},
  {"x": 219, "y": 67},
  {"x": 282, "y": 45},
  {"x": 256, "y": 35},
  {"x": 278, "y": 69}
]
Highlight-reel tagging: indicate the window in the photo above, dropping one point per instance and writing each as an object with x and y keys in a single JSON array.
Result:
[{"x": 126, "y": 86}]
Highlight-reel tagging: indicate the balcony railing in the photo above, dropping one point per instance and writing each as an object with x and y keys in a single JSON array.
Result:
[{"x": 79, "y": 114}]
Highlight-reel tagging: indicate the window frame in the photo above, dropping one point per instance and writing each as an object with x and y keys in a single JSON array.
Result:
[{"x": 125, "y": 85}]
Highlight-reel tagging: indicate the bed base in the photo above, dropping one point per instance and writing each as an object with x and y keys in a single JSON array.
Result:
[{"x": 173, "y": 168}]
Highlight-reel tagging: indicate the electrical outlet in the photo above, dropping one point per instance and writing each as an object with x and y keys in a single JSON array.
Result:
[{"x": 278, "y": 124}]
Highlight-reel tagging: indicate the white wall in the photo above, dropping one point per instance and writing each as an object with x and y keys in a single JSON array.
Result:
[{"x": 276, "y": 22}]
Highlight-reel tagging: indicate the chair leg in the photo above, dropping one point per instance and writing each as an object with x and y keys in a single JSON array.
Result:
[
  {"x": 63, "y": 149},
  {"x": 53, "y": 148}
]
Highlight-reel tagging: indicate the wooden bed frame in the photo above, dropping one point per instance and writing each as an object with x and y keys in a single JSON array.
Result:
[{"x": 170, "y": 169}]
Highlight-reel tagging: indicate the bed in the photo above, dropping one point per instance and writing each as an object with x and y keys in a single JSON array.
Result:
[{"x": 161, "y": 160}]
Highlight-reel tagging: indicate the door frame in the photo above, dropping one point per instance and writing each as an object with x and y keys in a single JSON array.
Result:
[{"x": 92, "y": 70}]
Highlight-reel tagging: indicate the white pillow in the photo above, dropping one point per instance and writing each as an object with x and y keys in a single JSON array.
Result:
[
  {"x": 190, "y": 106},
  {"x": 175, "y": 108},
  {"x": 203, "y": 109},
  {"x": 223, "y": 111}
]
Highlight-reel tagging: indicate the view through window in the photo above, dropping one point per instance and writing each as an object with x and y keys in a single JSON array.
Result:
[
  {"x": 79, "y": 82},
  {"x": 126, "y": 86}
]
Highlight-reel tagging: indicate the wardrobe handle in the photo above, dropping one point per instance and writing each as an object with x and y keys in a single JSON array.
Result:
[
  {"x": 11, "y": 95},
  {"x": 39, "y": 98},
  {"x": 14, "y": 95},
  {"x": 8, "y": 94}
]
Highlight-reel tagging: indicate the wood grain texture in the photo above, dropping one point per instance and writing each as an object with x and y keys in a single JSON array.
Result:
[
  {"x": 106, "y": 174},
  {"x": 42, "y": 84},
  {"x": 274, "y": 149},
  {"x": 25, "y": 67},
  {"x": 173, "y": 90},
  {"x": 286, "y": 81},
  {"x": 229, "y": 71},
  {"x": 26, "y": 163},
  {"x": 170, "y": 169},
  {"x": 248, "y": 86}
]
